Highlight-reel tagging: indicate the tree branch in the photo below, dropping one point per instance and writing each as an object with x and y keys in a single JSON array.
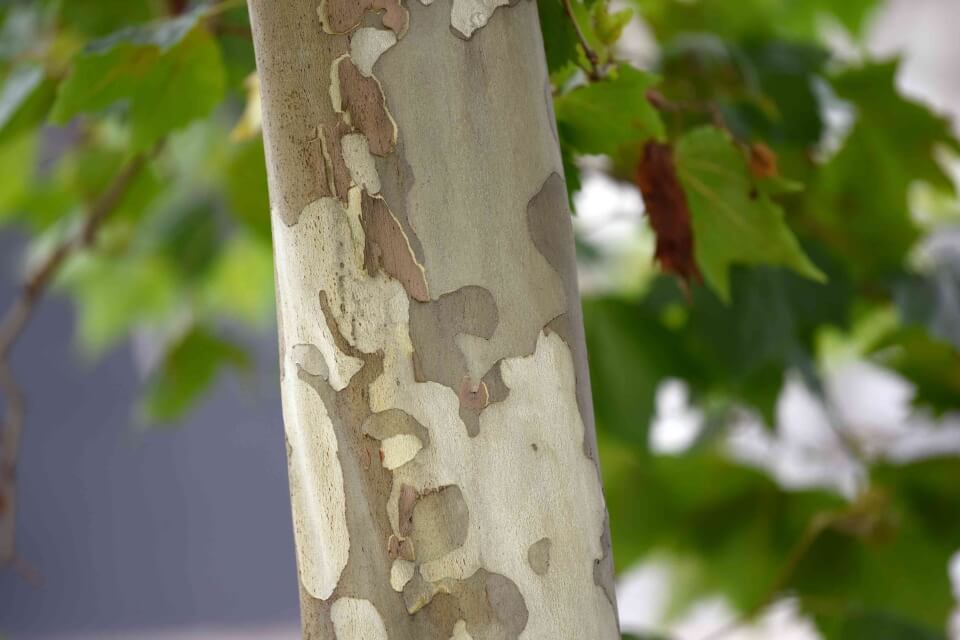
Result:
[
  {"x": 594, "y": 72},
  {"x": 12, "y": 326}
]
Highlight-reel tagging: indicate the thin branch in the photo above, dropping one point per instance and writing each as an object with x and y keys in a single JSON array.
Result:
[
  {"x": 11, "y": 328},
  {"x": 815, "y": 528},
  {"x": 594, "y": 73}
]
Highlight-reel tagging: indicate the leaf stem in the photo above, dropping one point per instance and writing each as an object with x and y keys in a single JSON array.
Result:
[{"x": 594, "y": 72}]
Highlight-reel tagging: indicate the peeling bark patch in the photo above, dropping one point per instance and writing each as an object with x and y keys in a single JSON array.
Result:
[
  {"x": 362, "y": 101},
  {"x": 474, "y": 399},
  {"x": 400, "y": 548},
  {"x": 460, "y": 631},
  {"x": 538, "y": 556},
  {"x": 359, "y": 162},
  {"x": 401, "y": 572},
  {"x": 504, "y": 469},
  {"x": 439, "y": 523},
  {"x": 550, "y": 228},
  {"x": 489, "y": 605},
  {"x": 398, "y": 450},
  {"x": 467, "y": 16},
  {"x": 355, "y": 619},
  {"x": 434, "y": 327},
  {"x": 367, "y": 45},
  {"x": 310, "y": 359},
  {"x": 387, "y": 248},
  {"x": 394, "y": 422},
  {"x": 316, "y": 490},
  {"x": 342, "y": 16}
]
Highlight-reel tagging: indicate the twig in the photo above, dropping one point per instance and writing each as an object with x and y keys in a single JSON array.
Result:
[
  {"x": 594, "y": 72},
  {"x": 11, "y": 328},
  {"x": 816, "y": 527}
]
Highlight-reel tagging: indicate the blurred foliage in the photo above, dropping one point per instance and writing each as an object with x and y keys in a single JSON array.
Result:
[{"x": 797, "y": 170}]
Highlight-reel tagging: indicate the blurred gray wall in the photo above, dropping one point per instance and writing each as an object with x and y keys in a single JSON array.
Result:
[{"x": 132, "y": 530}]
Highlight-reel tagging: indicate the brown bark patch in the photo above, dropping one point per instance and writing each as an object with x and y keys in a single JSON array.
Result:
[
  {"x": 433, "y": 328},
  {"x": 386, "y": 248},
  {"x": 439, "y": 523},
  {"x": 341, "y": 16},
  {"x": 538, "y": 556},
  {"x": 362, "y": 97}
]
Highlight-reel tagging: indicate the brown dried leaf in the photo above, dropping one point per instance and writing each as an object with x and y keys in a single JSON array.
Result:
[{"x": 667, "y": 209}]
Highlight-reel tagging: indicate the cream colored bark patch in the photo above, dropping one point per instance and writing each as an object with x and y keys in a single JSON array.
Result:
[
  {"x": 297, "y": 278},
  {"x": 316, "y": 487},
  {"x": 367, "y": 44},
  {"x": 401, "y": 572},
  {"x": 467, "y": 16},
  {"x": 460, "y": 631},
  {"x": 546, "y": 486},
  {"x": 399, "y": 450},
  {"x": 355, "y": 619},
  {"x": 360, "y": 164}
]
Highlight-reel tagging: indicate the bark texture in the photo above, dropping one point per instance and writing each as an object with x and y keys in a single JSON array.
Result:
[{"x": 437, "y": 408}]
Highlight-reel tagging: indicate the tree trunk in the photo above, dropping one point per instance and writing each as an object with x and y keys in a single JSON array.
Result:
[{"x": 436, "y": 401}]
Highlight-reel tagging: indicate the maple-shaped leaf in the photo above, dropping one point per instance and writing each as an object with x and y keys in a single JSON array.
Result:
[
  {"x": 606, "y": 116},
  {"x": 733, "y": 221},
  {"x": 860, "y": 198}
]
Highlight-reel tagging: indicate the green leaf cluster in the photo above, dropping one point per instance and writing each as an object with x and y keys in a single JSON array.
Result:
[
  {"x": 183, "y": 260},
  {"x": 805, "y": 233}
]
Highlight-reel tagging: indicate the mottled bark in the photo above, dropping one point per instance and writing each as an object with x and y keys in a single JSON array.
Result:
[{"x": 436, "y": 400}]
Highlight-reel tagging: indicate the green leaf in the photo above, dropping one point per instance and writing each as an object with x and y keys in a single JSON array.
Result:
[
  {"x": 246, "y": 187},
  {"x": 745, "y": 18},
  {"x": 240, "y": 283},
  {"x": 872, "y": 224},
  {"x": 631, "y": 353},
  {"x": 932, "y": 365},
  {"x": 559, "y": 36},
  {"x": 99, "y": 17},
  {"x": 25, "y": 98},
  {"x": 187, "y": 371},
  {"x": 732, "y": 222},
  {"x": 608, "y": 115},
  {"x": 609, "y": 26},
  {"x": 164, "y": 77},
  {"x": 874, "y": 625},
  {"x": 904, "y": 571},
  {"x": 115, "y": 294},
  {"x": 17, "y": 167}
]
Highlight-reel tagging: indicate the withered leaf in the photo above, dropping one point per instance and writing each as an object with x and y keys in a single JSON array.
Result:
[{"x": 667, "y": 210}]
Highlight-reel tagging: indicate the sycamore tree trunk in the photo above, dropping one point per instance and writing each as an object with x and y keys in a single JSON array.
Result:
[{"x": 442, "y": 457}]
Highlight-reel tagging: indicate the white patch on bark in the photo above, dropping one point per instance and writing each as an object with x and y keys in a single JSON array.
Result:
[
  {"x": 399, "y": 450},
  {"x": 316, "y": 486},
  {"x": 367, "y": 44},
  {"x": 401, "y": 572},
  {"x": 359, "y": 161},
  {"x": 298, "y": 279},
  {"x": 355, "y": 619},
  {"x": 310, "y": 359},
  {"x": 460, "y": 631},
  {"x": 546, "y": 489},
  {"x": 467, "y": 16}
]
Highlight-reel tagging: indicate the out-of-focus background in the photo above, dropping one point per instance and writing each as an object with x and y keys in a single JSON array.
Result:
[{"x": 780, "y": 455}]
